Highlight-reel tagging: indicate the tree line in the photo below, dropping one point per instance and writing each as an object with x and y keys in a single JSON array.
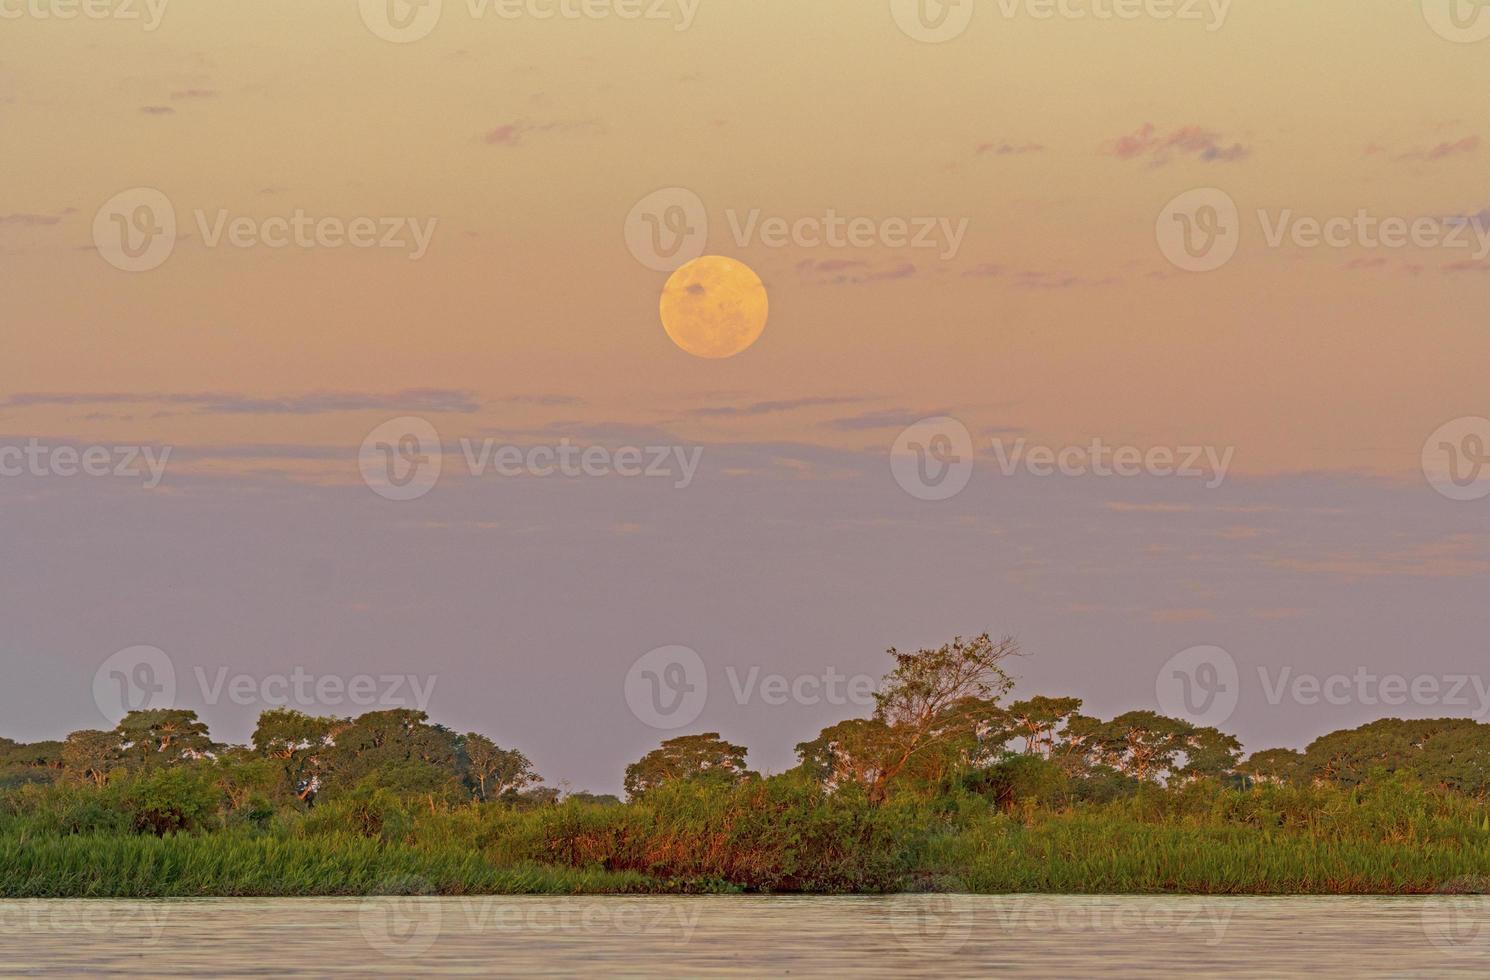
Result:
[{"x": 942, "y": 722}]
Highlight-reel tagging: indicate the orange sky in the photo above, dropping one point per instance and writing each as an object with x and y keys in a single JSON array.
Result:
[{"x": 528, "y": 141}]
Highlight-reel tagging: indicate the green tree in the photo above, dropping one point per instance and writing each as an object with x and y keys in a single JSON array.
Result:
[
  {"x": 1209, "y": 753},
  {"x": 704, "y": 757},
  {"x": 297, "y": 741},
  {"x": 495, "y": 770},
  {"x": 91, "y": 755},
  {"x": 398, "y": 750},
  {"x": 594, "y": 799},
  {"x": 1142, "y": 744},
  {"x": 853, "y": 752},
  {"x": 163, "y": 736},
  {"x": 948, "y": 696},
  {"x": 1277, "y": 767},
  {"x": 1451, "y": 753},
  {"x": 1040, "y": 721}
]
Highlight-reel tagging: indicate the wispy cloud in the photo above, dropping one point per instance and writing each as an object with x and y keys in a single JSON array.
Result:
[
  {"x": 412, "y": 400},
  {"x": 893, "y": 418},
  {"x": 1159, "y": 148},
  {"x": 1444, "y": 150},
  {"x": 516, "y": 132},
  {"x": 1003, "y": 148},
  {"x": 31, "y": 219},
  {"x": 766, "y": 407},
  {"x": 849, "y": 272},
  {"x": 1450, "y": 556}
]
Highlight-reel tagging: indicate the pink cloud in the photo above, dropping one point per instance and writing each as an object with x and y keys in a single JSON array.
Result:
[
  {"x": 1002, "y": 148},
  {"x": 1160, "y": 148},
  {"x": 513, "y": 133},
  {"x": 1446, "y": 150},
  {"x": 509, "y": 134},
  {"x": 1468, "y": 144}
]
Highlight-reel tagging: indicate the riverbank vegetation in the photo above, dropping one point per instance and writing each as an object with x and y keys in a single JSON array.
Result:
[{"x": 951, "y": 785}]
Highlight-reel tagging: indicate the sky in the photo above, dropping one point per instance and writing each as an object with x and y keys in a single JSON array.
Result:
[{"x": 1071, "y": 228}]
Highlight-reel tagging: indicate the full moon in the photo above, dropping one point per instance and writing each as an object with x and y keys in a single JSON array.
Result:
[{"x": 714, "y": 307}]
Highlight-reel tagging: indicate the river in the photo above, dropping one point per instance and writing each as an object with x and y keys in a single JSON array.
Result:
[{"x": 911, "y": 935}]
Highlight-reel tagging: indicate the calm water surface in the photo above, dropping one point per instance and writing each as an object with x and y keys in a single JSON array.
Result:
[{"x": 923, "y": 935}]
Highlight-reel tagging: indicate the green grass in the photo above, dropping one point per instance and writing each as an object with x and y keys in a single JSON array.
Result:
[
  {"x": 775, "y": 835},
  {"x": 1082, "y": 854},
  {"x": 238, "y": 864}
]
